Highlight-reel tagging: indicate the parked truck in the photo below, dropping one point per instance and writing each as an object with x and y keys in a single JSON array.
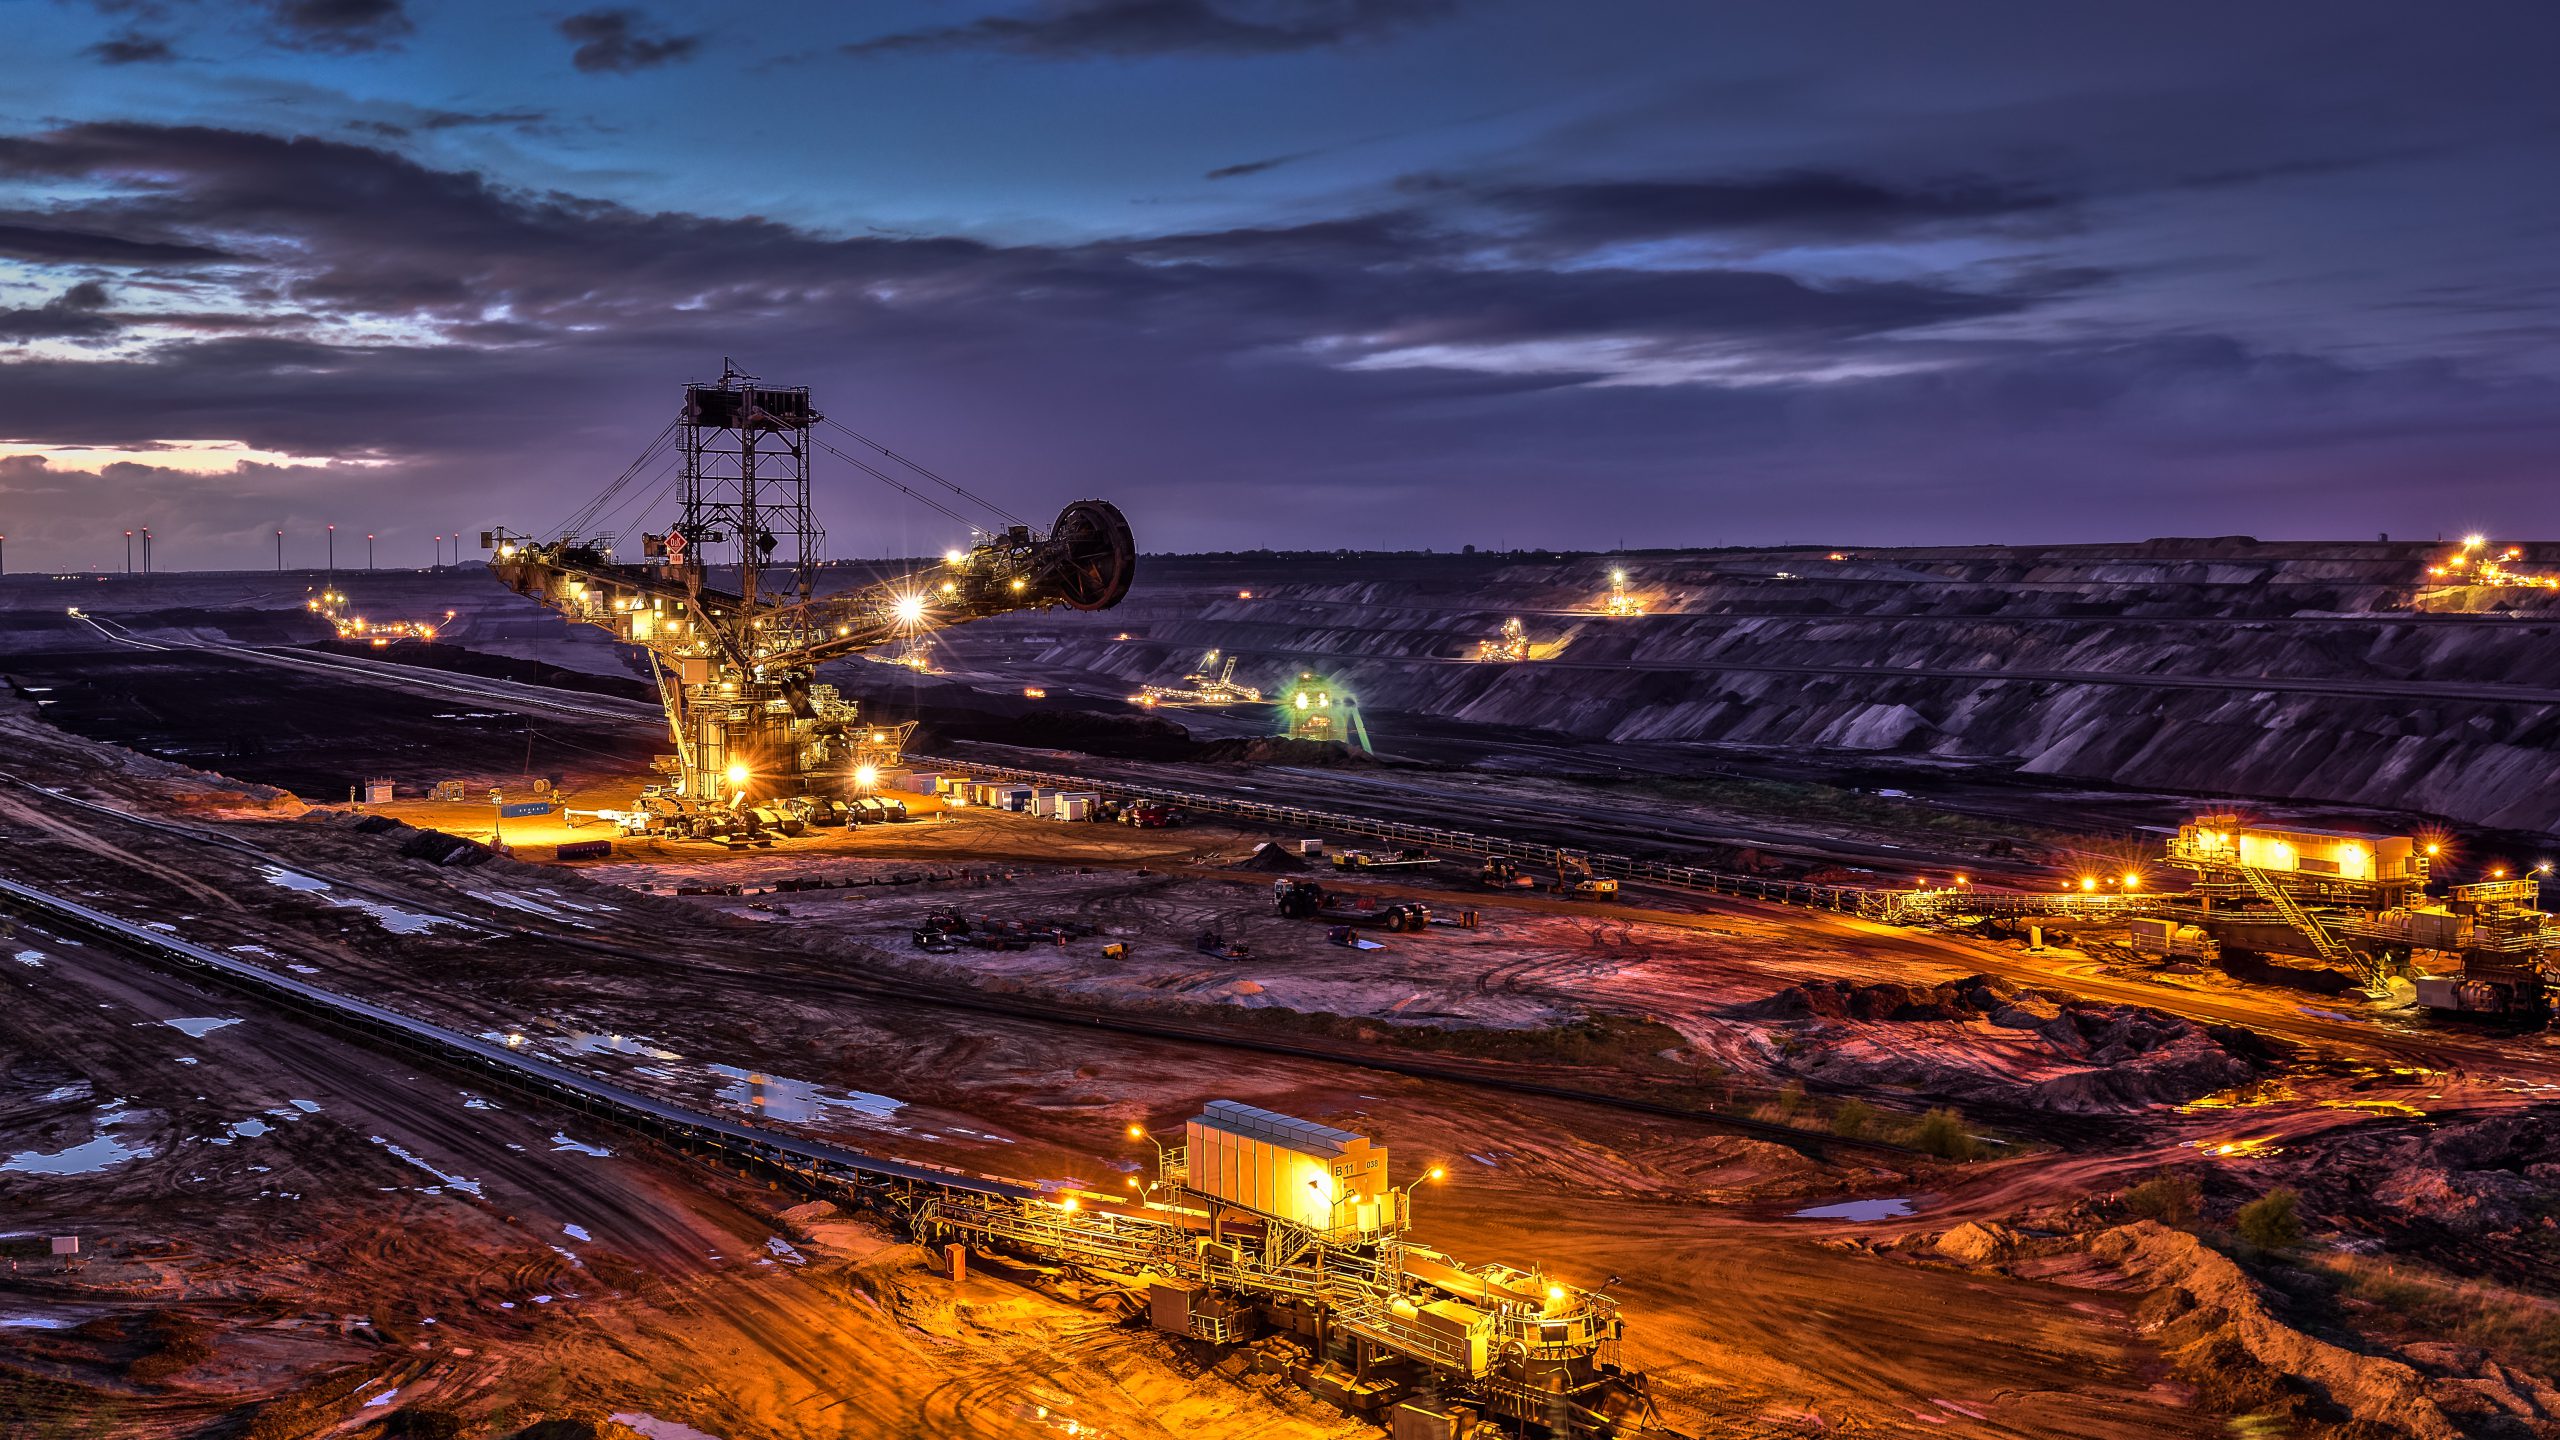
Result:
[{"x": 1301, "y": 899}]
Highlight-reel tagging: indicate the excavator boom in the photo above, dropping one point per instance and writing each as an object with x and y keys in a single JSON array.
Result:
[{"x": 737, "y": 663}]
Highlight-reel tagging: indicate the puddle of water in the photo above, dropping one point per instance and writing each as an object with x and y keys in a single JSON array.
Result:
[
  {"x": 382, "y": 1399},
  {"x": 34, "y": 958},
  {"x": 657, "y": 1429},
  {"x": 561, "y": 1142},
  {"x": 584, "y": 1042},
  {"x": 1858, "y": 1212},
  {"x": 2240, "y": 1149},
  {"x": 282, "y": 878},
  {"x": 778, "y": 1097},
  {"x": 576, "y": 1232},
  {"x": 76, "y": 1090},
  {"x": 467, "y": 1187},
  {"x": 196, "y": 1027},
  {"x": 32, "y": 1322},
  {"x": 389, "y": 917},
  {"x": 86, "y": 1159},
  {"x": 249, "y": 1129},
  {"x": 783, "y": 1252},
  {"x": 395, "y": 919}
]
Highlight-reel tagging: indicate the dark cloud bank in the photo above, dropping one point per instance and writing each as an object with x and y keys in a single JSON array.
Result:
[{"x": 1469, "y": 363}]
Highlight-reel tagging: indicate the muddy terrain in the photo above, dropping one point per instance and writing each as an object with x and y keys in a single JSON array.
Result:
[{"x": 1845, "y": 1178}]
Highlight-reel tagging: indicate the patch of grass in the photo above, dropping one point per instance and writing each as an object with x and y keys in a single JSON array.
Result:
[
  {"x": 40, "y": 1407},
  {"x": 1942, "y": 1133},
  {"x": 1853, "y": 1119},
  {"x": 2521, "y": 1330},
  {"x": 1807, "y": 800},
  {"x": 2168, "y": 1197},
  {"x": 174, "y": 1344},
  {"x": 2273, "y": 1221},
  {"x": 1621, "y": 1042}
]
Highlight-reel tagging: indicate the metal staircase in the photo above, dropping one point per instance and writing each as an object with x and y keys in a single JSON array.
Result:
[{"x": 2329, "y": 947}]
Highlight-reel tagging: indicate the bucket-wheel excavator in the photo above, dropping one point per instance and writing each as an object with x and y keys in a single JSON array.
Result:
[{"x": 725, "y": 601}]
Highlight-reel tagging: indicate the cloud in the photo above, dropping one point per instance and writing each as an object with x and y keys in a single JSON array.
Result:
[
  {"x": 1066, "y": 29},
  {"x": 344, "y": 27},
  {"x": 1794, "y": 205},
  {"x": 47, "y": 243},
  {"x": 1385, "y": 357},
  {"x": 612, "y": 41},
  {"x": 350, "y": 231},
  {"x": 132, "y": 48},
  {"x": 75, "y": 314},
  {"x": 1256, "y": 167},
  {"x": 522, "y": 119}
]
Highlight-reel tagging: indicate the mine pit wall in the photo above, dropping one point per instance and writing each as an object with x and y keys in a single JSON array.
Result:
[{"x": 2480, "y": 761}]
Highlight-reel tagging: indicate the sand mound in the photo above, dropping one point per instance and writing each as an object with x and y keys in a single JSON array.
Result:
[{"x": 2216, "y": 1327}]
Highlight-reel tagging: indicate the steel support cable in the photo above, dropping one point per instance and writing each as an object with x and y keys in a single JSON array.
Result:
[
  {"x": 974, "y": 499},
  {"x": 587, "y": 514},
  {"x": 894, "y": 483},
  {"x": 607, "y": 525}
]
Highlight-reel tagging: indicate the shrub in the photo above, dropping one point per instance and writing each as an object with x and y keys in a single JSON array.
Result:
[
  {"x": 2170, "y": 1198},
  {"x": 2273, "y": 1221},
  {"x": 1941, "y": 1133},
  {"x": 1854, "y": 1118}
]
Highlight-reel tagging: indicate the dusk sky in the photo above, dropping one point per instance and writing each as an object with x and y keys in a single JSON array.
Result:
[{"x": 1369, "y": 273}]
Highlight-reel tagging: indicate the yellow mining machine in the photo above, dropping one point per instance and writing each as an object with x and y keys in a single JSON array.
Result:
[
  {"x": 1620, "y": 603},
  {"x": 1209, "y": 684},
  {"x": 1311, "y": 709},
  {"x": 2361, "y": 903},
  {"x": 1511, "y": 645},
  {"x": 725, "y": 601},
  {"x": 1288, "y": 1237}
]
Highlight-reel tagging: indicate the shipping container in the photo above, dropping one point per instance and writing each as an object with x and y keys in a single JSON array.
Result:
[{"x": 1333, "y": 1182}]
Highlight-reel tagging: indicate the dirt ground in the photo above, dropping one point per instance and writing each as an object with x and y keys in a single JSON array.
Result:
[{"x": 299, "y": 1210}]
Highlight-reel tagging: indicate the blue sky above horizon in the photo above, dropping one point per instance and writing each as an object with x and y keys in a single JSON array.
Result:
[{"x": 1290, "y": 272}]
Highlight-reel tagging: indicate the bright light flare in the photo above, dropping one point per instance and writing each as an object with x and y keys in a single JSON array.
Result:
[
  {"x": 865, "y": 776},
  {"x": 909, "y": 609},
  {"x": 738, "y": 774}
]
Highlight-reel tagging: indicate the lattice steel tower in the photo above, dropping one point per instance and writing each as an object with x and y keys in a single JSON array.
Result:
[{"x": 746, "y": 484}]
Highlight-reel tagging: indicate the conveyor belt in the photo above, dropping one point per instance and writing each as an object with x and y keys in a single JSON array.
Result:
[{"x": 646, "y": 1114}]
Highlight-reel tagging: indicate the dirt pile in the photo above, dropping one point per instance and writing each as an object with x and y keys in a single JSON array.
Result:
[
  {"x": 2220, "y": 1333},
  {"x": 1270, "y": 856},
  {"x": 2494, "y": 1179},
  {"x": 1980, "y": 1039}
]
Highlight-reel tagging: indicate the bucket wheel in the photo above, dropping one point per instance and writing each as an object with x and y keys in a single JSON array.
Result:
[{"x": 1091, "y": 557}]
